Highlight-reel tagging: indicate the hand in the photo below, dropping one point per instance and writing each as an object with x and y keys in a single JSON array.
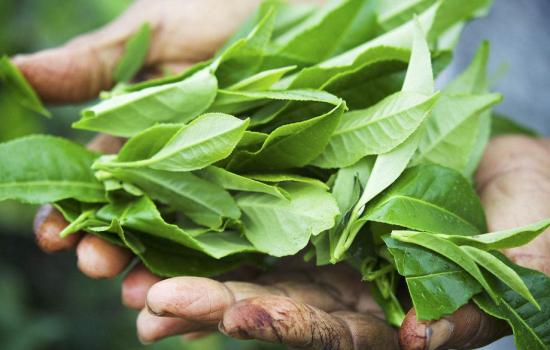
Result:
[
  {"x": 513, "y": 181},
  {"x": 296, "y": 304}
]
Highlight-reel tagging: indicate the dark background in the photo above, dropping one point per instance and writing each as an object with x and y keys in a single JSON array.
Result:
[{"x": 45, "y": 303}]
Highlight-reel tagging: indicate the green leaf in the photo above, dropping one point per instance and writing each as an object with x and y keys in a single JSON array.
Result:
[
  {"x": 362, "y": 27},
  {"x": 460, "y": 122},
  {"x": 448, "y": 250},
  {"x": 18, "y": 88},
  {"x": 328, "y": 25},
  {"x": 244, "y": 56},
  {"x": 387, "y": 168},
  {"x": 165, "y": 259},
  {"x": 504, "y": 273},
  {"x": 261, "y": 81},
  {"x": 142, "y": 216},
  {"x": 135, "y": 53},
  {"x": 147, "y": 143},
  {"x": 431, "y": 277},
  {"x": 235, "y": 182},
  {"x": 291, "y": 145},
  {"x": 482, "y": 138},
  {"x": 202, "y": 201},
  {"x": 43, "y": 169},
  {"x": 349, "y": 181},
  {"x": 392, "y": 42},
  {"x": 206, "y": 140},
  {"x": 452, "y": 128},
  {"x": 430, "y": 198},
  {"x": 505, "y": 239},
  {"x": 287, "y": 177},
  {"x": 385, "y": 126},
  {"x": 419, "y": 78},
  {"x": 129, "y": 114},
  {"x": 239, "y": 101},
  {"x": 392, "y": 13},
  {"x": 281, "y": 227},
  {"x": 473, "y": 80},
  {"x": 530, "y": 326},
  {"x": 376, "y": 130}
]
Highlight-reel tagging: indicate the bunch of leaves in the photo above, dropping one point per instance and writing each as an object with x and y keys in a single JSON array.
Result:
[{"x": 315, "y": 129}]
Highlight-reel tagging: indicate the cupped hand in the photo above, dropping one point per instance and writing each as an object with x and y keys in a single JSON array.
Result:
[
  {"x": 297, "y": 305},
  {"x": 513, "y": 181}
]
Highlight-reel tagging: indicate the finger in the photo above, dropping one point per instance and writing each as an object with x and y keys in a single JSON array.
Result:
[
  {"x": 199, "y": 299},
  {"x": 80, "y": 69},
  {"x": 283, "y": 320},
  {"x": 136, "y": 285},
  {"x": 514, "y": 186},
  {"x": 204, "y": 300},
  {"x": 48, "y": 222},
  {"x": 100, "y": 259},
  {"x": 69, "y": 74},
  {"x": 151, "y": 328},
  {"x": 467, "y": 328}
]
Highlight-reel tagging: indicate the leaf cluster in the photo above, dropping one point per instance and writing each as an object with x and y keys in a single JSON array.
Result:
[{"x": 311, "y": 129}]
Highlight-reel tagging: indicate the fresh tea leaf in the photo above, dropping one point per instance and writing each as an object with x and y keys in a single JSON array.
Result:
[
  {"x": 280, "y": 227},
  {"x": 235, "y": 182},
  {"x": 530, "y": 326},
  {"x": 18, "y": 89},
  {"x": 202, "y": 201},
  {"x": 502, "y": 271},
  {"x": 135, "y": 52},
  {"x": 450, "y": 251},
  {"x": 44, "y": 169},
  {"x": 505, "y": 239},
  {"x": 142, "y": 216},
  {"x": 430, "y": 277},
  {"x": 291, "y": 145},
  {"x": 206, "y": 140},
  {"x": 131, "y": 113},
  {"x": 430, "y": 198}
]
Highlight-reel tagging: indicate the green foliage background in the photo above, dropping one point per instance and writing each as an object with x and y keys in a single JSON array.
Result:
[{"x": 45, "y": 303}]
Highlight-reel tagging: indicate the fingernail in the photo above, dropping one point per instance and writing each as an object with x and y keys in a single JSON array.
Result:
[
  {"x": 438, "y": 333},
  {"x": 154, "y": 312}
]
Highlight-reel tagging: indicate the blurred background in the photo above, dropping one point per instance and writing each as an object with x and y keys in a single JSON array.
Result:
[{"x": 45, "y": 303}]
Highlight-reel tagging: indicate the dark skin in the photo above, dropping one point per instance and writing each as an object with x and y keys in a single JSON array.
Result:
[{"x": 298, "y": 305}]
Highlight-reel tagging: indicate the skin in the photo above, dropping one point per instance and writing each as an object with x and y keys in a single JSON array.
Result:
[{"x": 296, "y": 304}]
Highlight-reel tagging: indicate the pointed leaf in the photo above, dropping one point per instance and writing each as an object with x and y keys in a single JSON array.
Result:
[
  {"x": 43, "y": 169},
  {"x": 129, "y": 114},
  {"x": 206, "y": 140},
  {"x": 283, "y": 227}
]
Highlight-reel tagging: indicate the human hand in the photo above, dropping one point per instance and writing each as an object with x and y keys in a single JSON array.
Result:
[
  {"x": 513, "y": 181},
  {"x": 298, "y": 305}
]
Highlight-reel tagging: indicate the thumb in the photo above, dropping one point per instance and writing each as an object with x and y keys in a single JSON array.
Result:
[
  {"x": 69, "y": 74},
  {"x": 80, "y": 69}
]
